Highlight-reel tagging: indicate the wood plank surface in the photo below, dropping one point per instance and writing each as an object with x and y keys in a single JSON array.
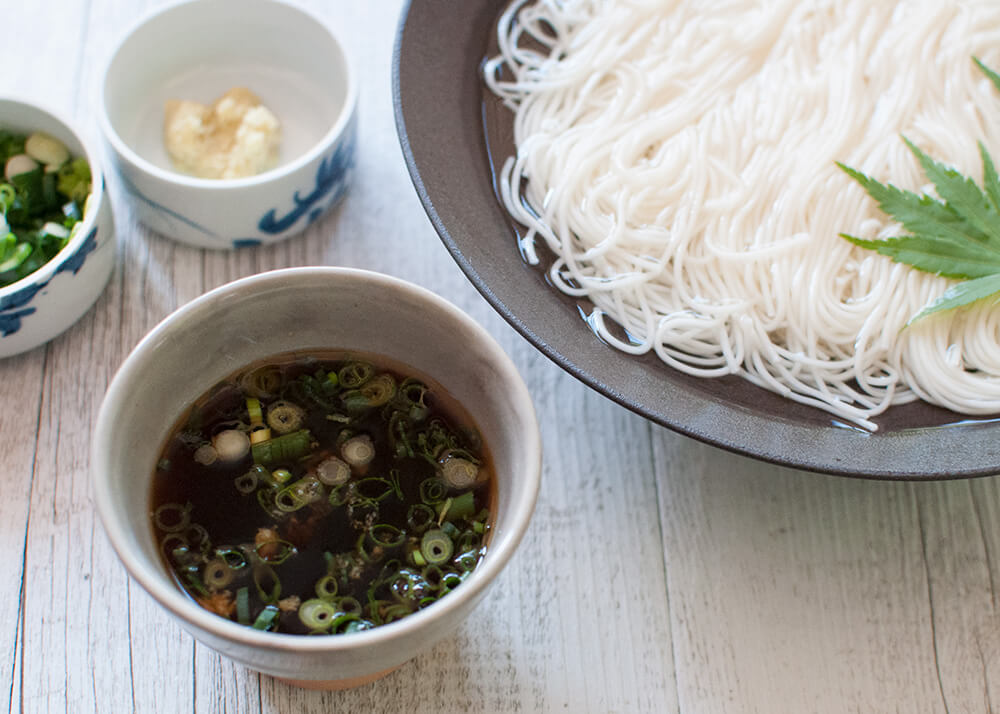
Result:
[{"x": 659, "y": 574}]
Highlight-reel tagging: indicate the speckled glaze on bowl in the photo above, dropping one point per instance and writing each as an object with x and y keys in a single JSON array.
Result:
[
  {"x": 44, "y": 304},
  {"x": 310, "y": 308},
  {"x": 440, "y": 101},
  {"x": 198, "y": 50}
]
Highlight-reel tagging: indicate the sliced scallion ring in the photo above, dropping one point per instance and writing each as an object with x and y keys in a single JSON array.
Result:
[
  {"x": 436, "y": 546},
  {"x": 317, "y": 614}
]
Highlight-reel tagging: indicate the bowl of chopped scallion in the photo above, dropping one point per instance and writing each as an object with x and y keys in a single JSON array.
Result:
[{"x": 56, "y": 228}]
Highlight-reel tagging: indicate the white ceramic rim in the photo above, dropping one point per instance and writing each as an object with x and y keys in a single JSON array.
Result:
[
  {"x": 327, "y": 140},
  {"x": 156, "y": 582},
  {"x": 45, "y": 273}
]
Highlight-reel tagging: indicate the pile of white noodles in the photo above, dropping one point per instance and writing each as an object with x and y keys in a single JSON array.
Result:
[{"x": 677, "y": 156}]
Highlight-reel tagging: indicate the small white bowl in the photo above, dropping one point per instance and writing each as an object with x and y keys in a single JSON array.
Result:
[
  {"x": 302, "y": 309},
  {"x": 45, "y": 303},
  {"x": 197, "y": 51}
]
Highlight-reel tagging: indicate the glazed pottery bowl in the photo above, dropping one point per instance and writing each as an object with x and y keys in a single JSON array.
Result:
[
  {"x": 309, "y": 309},
  {"x": 46, "y": 302},
  {"x": 199, "y": 50}
]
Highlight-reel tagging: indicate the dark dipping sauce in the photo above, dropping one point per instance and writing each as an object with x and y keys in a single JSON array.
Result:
[{"x": 322, "y": 493}]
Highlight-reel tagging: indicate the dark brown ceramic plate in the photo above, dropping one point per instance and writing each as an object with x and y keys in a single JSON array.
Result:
[{"x": 448, "y": 128}]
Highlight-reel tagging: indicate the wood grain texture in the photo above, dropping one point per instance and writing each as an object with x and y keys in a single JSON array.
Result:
[{"x": 659, "y": 574}]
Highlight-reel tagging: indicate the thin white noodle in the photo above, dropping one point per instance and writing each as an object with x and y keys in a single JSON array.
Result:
[{"x": 679, "y": 161}]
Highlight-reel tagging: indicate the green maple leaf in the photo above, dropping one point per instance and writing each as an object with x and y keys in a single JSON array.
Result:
[
  {"x": 956, "y": 237},
  {"x": 963, "y": 196},
  {"x": 994, "y": 77},
  {"x": 964, "y": 293}
]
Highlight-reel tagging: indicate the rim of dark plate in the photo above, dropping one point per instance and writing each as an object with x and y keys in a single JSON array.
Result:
[{"x": 437, "y": 103}]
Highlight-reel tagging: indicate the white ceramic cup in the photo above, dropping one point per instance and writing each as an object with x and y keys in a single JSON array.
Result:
[
  {"x": 47, "y": 302},
  {"x": 300, "y": 309},
  {"x": 197, "y": 51}
]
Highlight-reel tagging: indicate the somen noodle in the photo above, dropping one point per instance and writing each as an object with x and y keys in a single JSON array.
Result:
[{"x": 678, "y": 158}]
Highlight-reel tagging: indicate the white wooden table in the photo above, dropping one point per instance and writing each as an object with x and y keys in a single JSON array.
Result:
[{"x": 658, "y": 575}]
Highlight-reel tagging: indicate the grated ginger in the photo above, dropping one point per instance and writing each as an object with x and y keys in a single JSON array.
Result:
[{"x": 235, "y": 137}]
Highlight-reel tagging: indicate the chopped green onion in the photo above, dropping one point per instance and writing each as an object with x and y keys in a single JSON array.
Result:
[
  {"x": 206, "y": 455},
  {"x": 379, "y": 390},
  {"x": 73, "y": 213},
  {"x": 354, "y": 374},
  {"x": 285, "y": 551},
  {"x": 413, "y": 393},
  {"x": 265, "y": 497},
  {"x": 317, "y": 614},
  {"x": 172, "y": 517},
  {"x": 7, "y": 243},
  {"x": 247, "y": 483},
  {"x": 196, "y": 534},
  {"x": 386, "y": 536},
  {"x": 262, "y": 382},
  {"x": 356, "y": 625},
  {"x": 299, "y": 494},
  {"x": 46, "y": 149},
  {"x": 354, "y": 401},
  {"x": 374, "y": 489},
  {"x": 362, "y": 511},
  {"x": 255, "y": 411},
  {"x": 433, "y": 575},
  {"x": 281, "y": 476},
  {"x": 74, "y": 179},
  {"x": 462, "y": 506},
  {"x": 433, "y": 491},
  {"x": 394, "y": 479},
  {"x": 34, "y": 224},
  {"x": 316, "y": 390},
  {"x": 368, "y": 556},
  {"x": 436, "y": 546},
  {"x": 388, "y": 572},
  {"x": 326, "y": 587},
  {"x": 175, "y": 547},
  {"x": 234, "y": 557},
  {"x": 449, "y": 582},
  {"x": 420, "y": 516},
  {"x": 395, "y": 611},
  {"x": 467, "y": 561},
  {"x": 19, "y": 255},
  {"x": 266, "y": 618},
  {"x": 7, "y": 196},
  {"x": 443, "y": 510},
  {"x": 333, "y": 471},
  {"x": 399, "y": 435},
  {"x": 217, "y": 574},
  {"x": 267, "y": 583},
  {"x": 194, "y": 583},
  {"x": 243, "y": 606},
  {"x": 285, "y": 417},
  {"x": 258, "y": 434},
  {"x": 349, "y": 605},
  {"x": 283, "y": 449},
  {"x": 340, "y": 495},
  {"x": 231, "y": 444},
  {"x": 469, "y": 540},
  {"x": 342, "y": 620},
  {"x": 358, "y": 450},
  {"x": 458, "y": 472}
]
